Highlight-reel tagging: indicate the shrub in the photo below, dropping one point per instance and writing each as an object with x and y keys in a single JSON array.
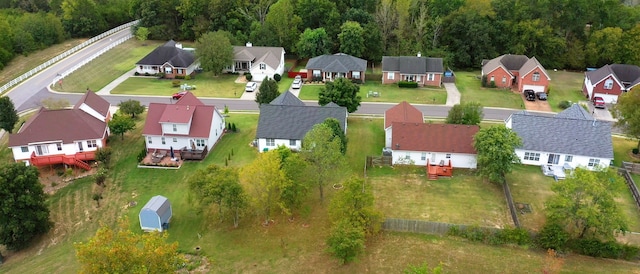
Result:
[
  {"x": 635, "y": 151},
  {"x": 160, "y": 75},
  {"x": 175, "y": 83},
  {"x": 277, "y": 77},
  {"x": 103, "y": 155},
  {"x": 611, "y": 249},
  {"x": 356, "y": 81},
  {"x": 147, "y": 74},
  {"x": 136, "y": 73},
  {"x": 188, "y": 77},
  {"x": 564, "y": 104},
  {"x": 179, "y": 77},
  {"x": 248, "y": 76},
  {"x": 100, "y": 176},
  {"x": 517, "y": 236},
  {"x": 484, "y": 81},
  {"x": 405, "y": 84},
  {"x": 492, "y": 84},
  {"x": 552, "y": 236},
  {"x": 233, "y": 127},
  {"x": 142, "y": 153}
]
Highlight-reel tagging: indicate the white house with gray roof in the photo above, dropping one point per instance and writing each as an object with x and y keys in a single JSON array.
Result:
[
  {"x": 261, "y": 62},
  {"x": 286, "y": 120},
  {"x": 572, "y": 137},
  {"x": 329, "y": 67},
  {"x": 426, "y": 71}
]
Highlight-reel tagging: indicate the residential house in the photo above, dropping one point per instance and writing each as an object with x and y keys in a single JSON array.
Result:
[
  {"x": 517, "y": 72},
  {"x": 400, "y": 113},
  {"x": 610, "y": 81},
  {"x": 570, "y": 138},
  {"x": 188, "y": 125},
  {"x": 329, "y": 67},
  {"x": 286, "y": 120},
  {"x": 170, "y": 59},
  {"x": 63, "y": 136},
  {"x": 261, "y": 62},
  {"x": 425, "y": 71}
]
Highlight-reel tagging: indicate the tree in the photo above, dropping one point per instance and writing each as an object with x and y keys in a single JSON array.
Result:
[
  {"x": 267, "y": 92},
  {"x": 120, "y": 250},
  {"x": 346, "y": 241},
  {"x": 81, "y": 18},
  {"x": 342, "y": 92},
  {"x": 465, "y": 114},
  {"x": 351, "y": 38},
  {"x": 284, "y": 23},
  {"x": 321, "y": 150},
  {"x": 221, "y": 186},
  {"x": 131, "y": 107},
  {"x": 120, "y": 124},
  {"x": 266, "y": 180},
  {"x": 52, "y": 104},
  {"x": 23, "y": 213},
  {"x": 628, "y": 113},
  {"x": 355, "y": 203},
  {"x": 215, "y": 51},
  {"x": 584, "y": 204},
  {"x": 295, "y": 191},
  {"x": 142, "y": 34},
  {"x": 8, "y": 115},
  {"x": 313, "y": 42},
  {"x": 338, "y": 132},
  {"x": 103, "y": 155},
  {"x": 496, "y": 151}
]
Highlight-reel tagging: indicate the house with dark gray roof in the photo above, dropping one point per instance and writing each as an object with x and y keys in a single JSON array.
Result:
[
  {"x": 426, "y": 71},
  {"x": 169, "y": 59},
  {"x": 329, "y": 67},
  {"x": 63, "y": 136},
  {"x": 261, "y": 62},
  {"x": 570, "y": 138},
  {"x": 517, "y": 72},
  {"x": 286, "y": 120},
  {"x": 610, "y": 81}
]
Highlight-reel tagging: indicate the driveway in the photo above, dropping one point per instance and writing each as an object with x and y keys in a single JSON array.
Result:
[
  {"x": 453, "y": 94},
  {"x": 599, "y": 113},
  {"x": 536, "y": 105}
]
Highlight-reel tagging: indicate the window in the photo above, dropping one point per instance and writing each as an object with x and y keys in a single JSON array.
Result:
[
  {"x": 92, "y": 143},
  {"x": 594, "y": 162},
  {"x": 43, "y": 149},
  {"x": 200, "y": 142},
  {"x": 536, "y": 76},
  {"x": 316, "y": 73},
  {"x": 407, "y": 156},
  {"x": 431, "y": 77},
  {"x": 410, "y": 78},
  {"x": 59, "y": 146},
  {"x": 390, "y": 75},
  {"x": 162, "y": 140},
  {"x": 568, "y": 158},
  {"x": 448, "y": 156},
  {"x": 168, "y": 70},
  {"x": 423, "y": 156},
  {"x": 293, "y": 142},
  {"x": 532, "y": 156},
  {"x": 175, "y": 140},
  {"x": 493, "y": 79},
  {"x": 355, "y": 75},
  {"x": 263, "y": 66},
  {"x": 504, "y": 79},
  {"x": 271, "y": 142},
  {"x": 175, "y": 127},
  {"x": 24, "y": 149},
  {"x": 149, "y": 140},
  {"x": 608, "y": 84}
]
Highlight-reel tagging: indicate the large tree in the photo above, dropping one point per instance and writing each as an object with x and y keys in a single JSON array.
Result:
[
  {"x": 465, "y": 114},
  {"x": 131, "y": 107},
  {"x": 215, "y": 51},
  {"x": 355, "y": 203},
  {"x": 8, "y": 115},
  {"x": 295, "y": 190},
  {"x": 220, "y": 186},
  {"x": 321, "y": 149},
  {"x": 120, "y": 250},
  {"x": 267, "y": 92},
  {"x": 346, "y": 241},
  {"x": 23, "y": 212},
  {"x": 313, "y": 42},
  {"x": 342, "y": 92},
  {"x": 266, "y": 180},
  {"x": 285, "y": 24},
  {"x": 334, "y": 124},
  {"x": 121, "y": 124},
  {"x": 628, "y": 113},
  {"x": 81, "y": 18},
  {"x": 351, "y": 38},
  {"x": 496, "y": 151},
  {"x": 584, "y": 204}
]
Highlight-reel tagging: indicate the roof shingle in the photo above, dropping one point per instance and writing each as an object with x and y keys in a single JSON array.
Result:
[
  {"x": 433, "y": 137},
  {"x": 338, "y": 62},
  {"x": 294, "y": 121},
  {"x": 403, "y": 113}
]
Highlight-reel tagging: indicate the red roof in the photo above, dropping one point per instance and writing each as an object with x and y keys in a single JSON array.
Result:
[
  {"x": 94, "y": 101},
  {"x": 188, "y": 108},
  {"x": 446, "y": 138},
  {"x": 403, "y": 112}
]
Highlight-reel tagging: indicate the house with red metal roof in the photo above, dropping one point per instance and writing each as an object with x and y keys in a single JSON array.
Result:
[
  {"x": 188, "y": 127},
  {"x": 63, "y": 136}
]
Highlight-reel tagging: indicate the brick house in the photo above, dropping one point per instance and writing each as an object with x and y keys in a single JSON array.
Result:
[{"x": 517, "y": 72}]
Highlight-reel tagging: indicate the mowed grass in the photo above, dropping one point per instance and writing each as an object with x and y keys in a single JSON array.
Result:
[
  {"x": 462, "y": 199},
  {"x": 207, "y": 85},
  {"x": 622, "y": 148},
  {"x": 529, "y": 186},
  {"x": 471, "y": 90},
  {"x": 565, "y": 86},
  {"x": 365, "y": 138},
  {"x": 387, "y": 93}
]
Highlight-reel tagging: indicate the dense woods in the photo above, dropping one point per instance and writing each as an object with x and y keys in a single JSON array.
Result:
[{"x": 569, "y": 34}]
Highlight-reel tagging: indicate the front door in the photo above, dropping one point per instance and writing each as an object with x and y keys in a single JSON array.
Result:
[
  {"x": 80, "y": 147},
  {"x": 553, "y": 159}
]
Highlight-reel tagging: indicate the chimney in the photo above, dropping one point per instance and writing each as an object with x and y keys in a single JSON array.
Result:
[
  {"x": 179, "y": 45},
  {"x": 419, "y": 54},
  {"x": 249, "y": 44}
]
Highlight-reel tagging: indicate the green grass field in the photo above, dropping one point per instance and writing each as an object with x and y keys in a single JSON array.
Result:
[
  {"x": 565, "y": 86},
  {"x": 387, "y": 93},
  {"x": 471, "y": 91}
]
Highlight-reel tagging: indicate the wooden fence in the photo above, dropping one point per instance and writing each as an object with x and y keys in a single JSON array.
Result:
[
  {"x": 425, "y": 227},
  {"x": 379, "y": 161},
  {"x": 631, "y": 167},
  {"x": 630, "y": 183},
  {"x": 512, "y": 207}
]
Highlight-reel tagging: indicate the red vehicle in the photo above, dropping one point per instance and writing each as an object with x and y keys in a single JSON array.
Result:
[
  {"x": 178, "y": 95},
  {"x": 598, "y": 102}
]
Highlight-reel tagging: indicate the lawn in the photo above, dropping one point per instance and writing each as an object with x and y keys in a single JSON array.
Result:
[
  {"x": 387, "y": 93},
  {"x": 529, "y": 186},
  {"x": 470, "y": 89},
  {"x": 565, "y": 86},
  {"x": 207, "y": 85},
  {"x": 622, "y": 150}
]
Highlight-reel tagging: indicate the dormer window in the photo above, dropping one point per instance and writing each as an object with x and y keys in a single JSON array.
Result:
[
  {"x": 536, "y": 76},
  {"x": 175, "y": 127},
  {"x": 608, "y": 84},
  {"x": 263, "y": 66}
]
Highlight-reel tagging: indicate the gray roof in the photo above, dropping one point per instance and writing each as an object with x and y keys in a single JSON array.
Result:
[
  {"x": 287, "y": 99},
  {"x": 412, "y": 64},
  {"x": 338, "y": 62},
  {"x": 160, "y": 205},
  {"x": 575, "y": 111},
  {"x": 168, "y": 53},
  {"x": 512, "y": 62},
  {"x": 293, "y": 122},
  {"x": 563, "y": 135},
  {"x": 627, "y": 74},
  {"x": 268, "y": 55}
]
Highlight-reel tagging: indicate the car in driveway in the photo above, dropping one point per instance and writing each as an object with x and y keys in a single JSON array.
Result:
[
  {"x": 251, "y": 87},
  {"x": 598, "y": 102},
  {"x": 541, "y": 96},
  {"x": 297, "y": 82},
  {"x": 178, "y": 95},
  {"x": 530, "y": 95}
]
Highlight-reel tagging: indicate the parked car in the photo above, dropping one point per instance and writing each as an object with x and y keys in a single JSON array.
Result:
[
  {"x": 598, "y": 102},
  {"x": 542, "y": 96},
  {"x": 297, "y": 83},
  {"x": 178, "y": 95},
  {"x": 251, "y": 87},
  {"x": 530, "y": 95}
]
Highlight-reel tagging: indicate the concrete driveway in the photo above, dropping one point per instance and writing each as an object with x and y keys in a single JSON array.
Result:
[{"x": 599, "y": 113}]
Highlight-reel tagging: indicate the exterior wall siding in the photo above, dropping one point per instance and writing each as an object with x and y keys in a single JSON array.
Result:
[
  {"x": 52, "y": 149},
  {"x": 262, "y": 144},
  {"x": 577, "y": 161},
  {"x": 182, "y": 129},
  {"x": 458, "y": 160},
  {"x": 497, "y": 75},
  {"x": 388, "y": 136},
  {"x": 217, "y": 128},
  {"x": 528, "y": 80}
]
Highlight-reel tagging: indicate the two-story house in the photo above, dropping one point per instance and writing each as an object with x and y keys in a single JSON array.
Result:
[
  {"x": 610, "y": 81},
  {"x": 517, "y": 72}
]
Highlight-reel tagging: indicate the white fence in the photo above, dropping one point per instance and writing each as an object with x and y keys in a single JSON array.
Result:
[{"x": 67, "y": 53}]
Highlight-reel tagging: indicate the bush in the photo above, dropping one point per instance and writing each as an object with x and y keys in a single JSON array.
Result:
[
  {"x": 611, "y": 250},
  {"x": 179, "y": 77},
  {"x": 142, "y": 153},
  {"x": 483, "y": 82},
  {"x": 100, "y": 177},
  {"x": 552, "y": 236},
  {"x": 316, "y": 79},
  {"x": 635, "y": 151},
  {"x": 175, "y": 83},
  {"x": 517, "y": 236},
  {"x": 248, "y": 76},
  {"x": 564, "y": 104},
  {"x": 136, "y": 73},
  {"x": 405, "y": 84},
  {"x": 103, "y": 155},
  {"x": 233, "y": 127},
  {"x": 356, "y": 81},
  {"x": 188, "y": 77},
  {"x": 277, "y": 77},
  {"x": 492, "y": 84},
  {"x": 147, "y": 74}
]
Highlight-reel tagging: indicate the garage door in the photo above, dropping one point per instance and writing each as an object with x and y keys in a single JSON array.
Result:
[{"x": 535, "y": 88}]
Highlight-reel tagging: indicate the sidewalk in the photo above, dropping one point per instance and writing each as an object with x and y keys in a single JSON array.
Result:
[{"x": 106, "y": 90}]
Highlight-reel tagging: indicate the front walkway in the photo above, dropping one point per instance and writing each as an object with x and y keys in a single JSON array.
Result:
[
  {"x": 453, "y": 94},
  {"x": 106, "y": 90}
]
